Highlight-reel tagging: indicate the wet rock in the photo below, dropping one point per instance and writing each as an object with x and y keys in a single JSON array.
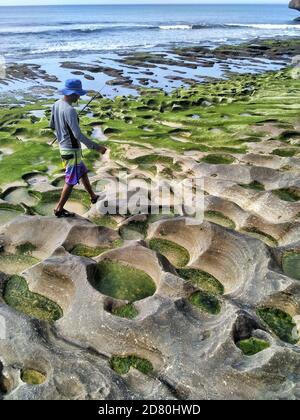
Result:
[{"x": 294, "y": 4}]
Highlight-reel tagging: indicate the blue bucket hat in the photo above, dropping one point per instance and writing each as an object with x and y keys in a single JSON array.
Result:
[{"x": 73, "y": 86}]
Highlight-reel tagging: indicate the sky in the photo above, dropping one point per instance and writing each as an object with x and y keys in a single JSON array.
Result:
[{"x": 44, "y": 2}]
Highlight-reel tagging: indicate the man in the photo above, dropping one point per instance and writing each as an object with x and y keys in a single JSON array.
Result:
[{"x": 65, "y": 122}]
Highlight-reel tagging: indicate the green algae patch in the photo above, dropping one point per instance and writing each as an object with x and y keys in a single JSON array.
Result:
[
  {"x": 26, "y": 248},
  {"x": 18, "y": 296},
  {"x": 291, "y": 264},
  {"x": 252, "y": 346},
  {"x": 255, "y": 185},
  {"x": 81, "y": 250},
  {"x": 122, "y": 365},
  {"x": 105, "y": 221},
  {"x": 32, "y": 377},
  {"x": 219, "y": 218},
  {"x": 287, "y": 194},
  {"x": 280, "y": 323},
  {"x": 285, "y": 152},
  {"x": 216, "y": 159},
  {"x": 126, "y": 311},
  {"x": 134, "y": 230},
  {"x": 27, "y": 157},
  {"x": 16, "y": 263},
  {"x": 201, "y": 279},
  {"x": 149, "y": 162},
  {"x": 207, "y": 302},
  {"x": 122, "y": 282},
  {"x": 176, "y": 254},
  {"x": 262, "y": 236},
  {"x": 153, "y": 159}
]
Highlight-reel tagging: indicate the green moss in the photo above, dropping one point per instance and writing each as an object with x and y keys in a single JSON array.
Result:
[
  {"x": 246, "y": 100},
  {"x": 201, "y": 279},
  {"x": 126, "y": 311},
  {"x": 16, "y": 263},
  {"x": 252, "y": 346},
  {"x": 279, "y": 322},
  {"x": 123, "y": 282},
  {"x": 206, "y": 302},
  {"x": 215, "y": 159},
  {"x": 17, "y": 295},
  {"x": 26, "y": 248},
  {"x": 255, "y": 185},
  {"x": 291, "y": 264},
  {"x": 256, "y": 233},
  {"x": 287, "y": 194},
  {"x": 10, "y": 206},
  {"x": 117, "y": 243},
  {"x": 122, "y": 365},
  {"x": 26, "y": 158},
  {"x": 86, "y": 251},
  {"x": 284, "y": 152},
  {"x": 152, "y": 159},
  {"x": 176, "y": 254},
  {"x": 106, "y": 221},
  {"x": 134, "y": 230},
  {"x": 32, "y": 377},
  {"x": 220, "y": 219}
]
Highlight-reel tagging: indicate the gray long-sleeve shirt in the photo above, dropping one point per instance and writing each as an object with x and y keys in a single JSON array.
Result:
[{"x": 65, "y": 122}]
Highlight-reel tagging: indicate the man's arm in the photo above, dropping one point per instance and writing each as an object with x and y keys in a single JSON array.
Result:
[{"x": 72, "y": 120}]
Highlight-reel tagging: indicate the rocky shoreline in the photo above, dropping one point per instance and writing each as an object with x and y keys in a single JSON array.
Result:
[{"x": 128, "y": 72}]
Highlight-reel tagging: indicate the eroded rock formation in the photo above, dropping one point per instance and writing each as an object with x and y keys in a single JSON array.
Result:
[{"x": 294, "y": 4}]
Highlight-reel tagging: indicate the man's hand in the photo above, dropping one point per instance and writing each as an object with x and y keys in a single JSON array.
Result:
[{"x": 102, "y": 150}]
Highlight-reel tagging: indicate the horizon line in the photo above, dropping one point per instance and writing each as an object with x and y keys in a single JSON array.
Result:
[{"x": 144, "y": 4}]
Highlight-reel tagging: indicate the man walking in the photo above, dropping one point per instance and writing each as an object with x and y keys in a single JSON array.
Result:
[{"x": 65, "y": 122}]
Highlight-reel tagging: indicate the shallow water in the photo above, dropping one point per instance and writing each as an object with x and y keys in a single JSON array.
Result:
[
  {"x": 21, "y": 195},
  {"x": 98, "y": 134},
  {"x": 39, "y": 113},
  {"x": 6, "y": 151},
  {"x": 76, "y": 207},
  {"x": 73, "y": 206},
  {"x": 37, "y": 179}
]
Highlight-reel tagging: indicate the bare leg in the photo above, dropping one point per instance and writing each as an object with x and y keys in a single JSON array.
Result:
[
  {"x": 66, "y": 192},
  {"x": 87, "y": 185}
]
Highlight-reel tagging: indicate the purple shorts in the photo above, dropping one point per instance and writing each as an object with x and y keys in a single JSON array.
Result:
[{"x": 74, "y": 173}]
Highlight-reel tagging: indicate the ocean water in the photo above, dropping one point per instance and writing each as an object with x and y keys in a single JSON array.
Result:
[{"x": 60, "y": 31}]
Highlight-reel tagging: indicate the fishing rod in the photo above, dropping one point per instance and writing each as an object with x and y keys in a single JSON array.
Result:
[{"x": 98, "y": 95}]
